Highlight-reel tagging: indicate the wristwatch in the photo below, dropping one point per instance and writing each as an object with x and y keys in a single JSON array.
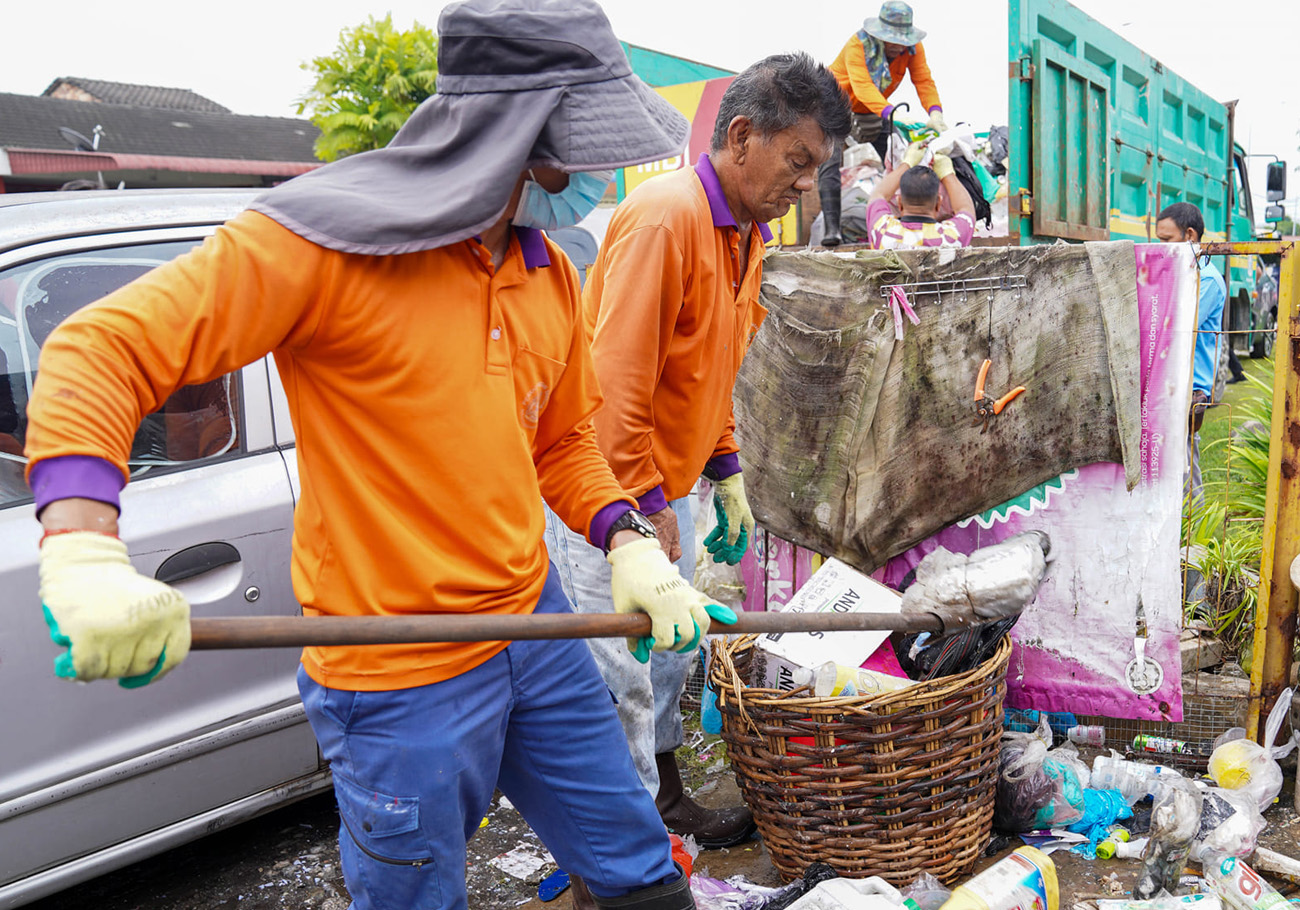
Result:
[{"x": 631, "y": 520}]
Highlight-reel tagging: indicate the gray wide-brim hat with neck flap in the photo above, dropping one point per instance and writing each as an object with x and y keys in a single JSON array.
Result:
[
  {"x": 894, "y": 24},
  {"x": 521, "y": 83}
]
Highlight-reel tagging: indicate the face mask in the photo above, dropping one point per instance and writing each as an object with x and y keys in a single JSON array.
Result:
[{"x": 549, "y": 211}]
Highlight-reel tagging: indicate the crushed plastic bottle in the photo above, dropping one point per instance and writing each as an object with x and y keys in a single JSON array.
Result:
[
  {"x": 1240, "y": 886},
  {"x": 1134, "y": 779},
  {"x": 1175, "y": 820}
]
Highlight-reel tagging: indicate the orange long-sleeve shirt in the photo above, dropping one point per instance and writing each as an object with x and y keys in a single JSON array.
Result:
[
  {"x": 435, "y": 402},
  {"x": 850, "y": 70},
  {"x": 673, "y": 310}
]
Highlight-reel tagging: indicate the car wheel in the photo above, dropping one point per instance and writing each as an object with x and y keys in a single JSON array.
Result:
[{"x": 1263, "y": 346}]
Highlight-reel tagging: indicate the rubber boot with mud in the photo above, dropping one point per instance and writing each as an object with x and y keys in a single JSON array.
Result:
[
  {"x": 828, "y": 187},
  {"x": 582, "y": 898},
  {"x": 711, "y": 828},
  {"x": 673, "y": 896}
]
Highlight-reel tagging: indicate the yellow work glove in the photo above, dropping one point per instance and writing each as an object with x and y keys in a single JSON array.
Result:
[
  {"x": 936, "y": 121},
  {"x": 735, "y": 531},
  {"x": 915, "y": 154},
  {"x": 644, "y": 581},
  {"x": 114, "y": 621},
  {"x": 942, "y": 166}
]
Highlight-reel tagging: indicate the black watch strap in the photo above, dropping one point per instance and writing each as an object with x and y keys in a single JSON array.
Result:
[{"x": 631, "y": 520}]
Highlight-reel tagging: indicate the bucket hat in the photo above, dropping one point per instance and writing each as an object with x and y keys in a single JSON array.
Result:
[
  {"x": 894, "y": 24},
  {"x": 521, "y": 83}
]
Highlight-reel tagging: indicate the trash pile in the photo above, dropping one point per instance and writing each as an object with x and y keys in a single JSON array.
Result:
[
  {"x": 985, "y": 153},
  {"x": 997, "y": 582}
]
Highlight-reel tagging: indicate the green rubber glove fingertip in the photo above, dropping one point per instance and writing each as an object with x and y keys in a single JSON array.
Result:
[
  {"x": 135, "y": 682},
  {"x": 643, "y": 648},
  {"x": 63, "y": 667},
  {"x": 55, "y": 634},
  {"x": 721, "y": 613},
  {"x": 693, "y": 644}
]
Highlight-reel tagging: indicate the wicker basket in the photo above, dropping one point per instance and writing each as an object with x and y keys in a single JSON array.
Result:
[{"x": 893, "y": 785}]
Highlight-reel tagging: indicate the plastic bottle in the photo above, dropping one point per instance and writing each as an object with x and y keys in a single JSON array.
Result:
[
  {"x": 832, "y": 679},
  {"x": 1022, "y": 880},
  {"x": 1112, "y": 849},
  {"x": 1135, "y": 780},
  {"x": 1240, "y": 886},
  {"x": 1162, "y": 744},
  {"x": 1091, "y": 735}
]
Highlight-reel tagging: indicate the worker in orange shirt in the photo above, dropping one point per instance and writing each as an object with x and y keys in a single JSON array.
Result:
[
  {"x": 871, "y": 68},
  {"x": 673, "y": 300},
  {"x": 432, "y": 345}
]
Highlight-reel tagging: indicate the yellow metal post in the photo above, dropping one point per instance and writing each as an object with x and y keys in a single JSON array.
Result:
[{"x": 1275, "y": 616}]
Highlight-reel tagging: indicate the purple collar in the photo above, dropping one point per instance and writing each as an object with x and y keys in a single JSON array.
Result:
[
  {"x": 533, "y": 245},
  {"x": 722, "y": 216}
]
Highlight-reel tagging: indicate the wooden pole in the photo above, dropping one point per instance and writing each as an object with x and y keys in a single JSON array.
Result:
[{"x": 323, "y": 631}]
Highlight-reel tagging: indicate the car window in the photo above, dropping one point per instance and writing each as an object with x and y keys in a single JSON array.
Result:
[{"x": 196, "y": 424}]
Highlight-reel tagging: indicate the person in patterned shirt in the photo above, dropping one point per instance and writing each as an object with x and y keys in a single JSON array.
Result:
[{"x": 917, "y": 222}]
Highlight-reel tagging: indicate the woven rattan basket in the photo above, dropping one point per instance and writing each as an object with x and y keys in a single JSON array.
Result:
[{"x": 894, "y": 785}]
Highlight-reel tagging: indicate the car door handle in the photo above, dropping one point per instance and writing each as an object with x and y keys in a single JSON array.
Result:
[{"x": 196, "y": 560}]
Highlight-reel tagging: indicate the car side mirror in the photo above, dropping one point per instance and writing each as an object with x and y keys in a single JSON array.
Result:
[
  {"x": 1274, "y": 213},
  {"x": 1276, "y": 182}
]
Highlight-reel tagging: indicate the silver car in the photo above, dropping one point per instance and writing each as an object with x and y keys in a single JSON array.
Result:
[{"x": 93, "y": 776}]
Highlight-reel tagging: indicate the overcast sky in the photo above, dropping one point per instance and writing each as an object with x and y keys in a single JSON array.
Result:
[{"x": 246, "y": 55}]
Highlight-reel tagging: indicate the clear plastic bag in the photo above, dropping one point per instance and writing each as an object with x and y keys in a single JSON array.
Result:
[
  {"x": 1230, "y": 825},
  {"x": 927, "y": 892},
  {"x": 1250, "y": 768},
  {"x": 1175, "y": 820},
  {"x": 1037, "y": 788}
]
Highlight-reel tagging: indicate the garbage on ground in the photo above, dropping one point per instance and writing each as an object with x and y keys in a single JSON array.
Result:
[
  {"x": 1239, "y": 886},
  {"x": 684, "y": 851},
  {"x": 1037, "y": 788},
  {"x": 1165, "y": 902},
  {"x": 1246, "y": 766},
  {"x": 1230, "y": 825},
  {"x": 1117, "y": 849},
  {"x": 1175, "y": 820},
  {"x": 1101, "y": 810},
  {"x": 926, "y": 893},
  {"x": 851, "y": 894},
  {"x": 735, "y": 893},
  {"x": 1134, "y": 779},
  {"x": 1022, "y": 879},
  {"x": 815, "y": 874},
  {"x": 1278, "y": 864}
]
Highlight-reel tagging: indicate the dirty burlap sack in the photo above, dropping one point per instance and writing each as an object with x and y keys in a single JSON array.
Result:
[{"x": 860, "y": 446}]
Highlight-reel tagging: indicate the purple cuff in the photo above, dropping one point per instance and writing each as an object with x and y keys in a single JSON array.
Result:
[
  {"x": 937, "y": 107},
  {"x": 721, "y": 466},
  {"x": 604, "y": 519},
  {"x": 652, "y": 501},
  {"x": 884, "y": 114},
  {"x": 76, "y": 476}
]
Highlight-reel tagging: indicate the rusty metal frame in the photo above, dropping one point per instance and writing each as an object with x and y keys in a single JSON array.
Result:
[{"x": 1275, "y": 612}]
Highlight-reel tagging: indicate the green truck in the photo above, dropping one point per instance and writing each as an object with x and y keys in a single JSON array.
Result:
[{"x": 1103, "y": 136}]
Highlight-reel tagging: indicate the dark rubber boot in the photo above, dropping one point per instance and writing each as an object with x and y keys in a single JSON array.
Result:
[
  {"x": 582, "y": 898},
  {"x": 711, "y": 828},
  {"x": 673, "y": 896},
  {"x": 828, "y": 187}
]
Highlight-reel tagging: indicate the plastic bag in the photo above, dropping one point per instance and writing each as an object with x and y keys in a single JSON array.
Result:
[
  {"x": 1036, "y": 788},
  {"x": 733, "y": 894},
  {"x": 814, "y": 875},
  {"x": 1175, "y": 820},
  {"x": 1243, "y": 765},
  {"x": 927, "y": 892},
  {"x": 1230, "y": 825},
  {"x": 851, "y": 894}
]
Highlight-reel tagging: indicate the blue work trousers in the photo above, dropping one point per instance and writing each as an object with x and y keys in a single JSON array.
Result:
[{"x": 415, "y": 769}]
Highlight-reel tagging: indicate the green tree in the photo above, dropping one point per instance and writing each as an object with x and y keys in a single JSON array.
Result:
[{"x": 364, "y": 92}]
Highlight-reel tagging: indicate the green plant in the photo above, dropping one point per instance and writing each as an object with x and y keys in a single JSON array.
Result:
[{"x": 373, "y": 82}]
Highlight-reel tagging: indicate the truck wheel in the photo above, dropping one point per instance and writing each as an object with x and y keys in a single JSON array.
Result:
[{"x": 1263, "y": 346}]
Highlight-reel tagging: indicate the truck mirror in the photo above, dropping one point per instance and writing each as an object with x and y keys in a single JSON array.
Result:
[
  {"x": 1276, "y": 182},
  {"x": 1274, "y": 213}
]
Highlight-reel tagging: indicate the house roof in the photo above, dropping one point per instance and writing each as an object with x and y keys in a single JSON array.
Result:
[
  {"x": 32, "y": 122},
  {"x": 176, "y": 99}
]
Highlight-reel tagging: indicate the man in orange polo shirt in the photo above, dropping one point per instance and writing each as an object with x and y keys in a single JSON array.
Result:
[
  {"x": 673, "y": 300},
  {"x": 870, "y": 68},
  {"x": 437, "y": 364}
]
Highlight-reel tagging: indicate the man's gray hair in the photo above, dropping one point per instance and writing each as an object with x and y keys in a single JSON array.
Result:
[{"x": 778, "y": 92}]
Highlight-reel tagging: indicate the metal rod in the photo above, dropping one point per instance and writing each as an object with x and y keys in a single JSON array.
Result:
[{"x": 322, "y": 631}]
